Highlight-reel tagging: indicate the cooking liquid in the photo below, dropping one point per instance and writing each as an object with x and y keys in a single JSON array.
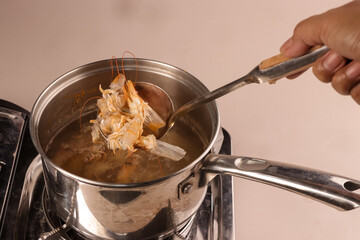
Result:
[{"x": 73, "y": 150}]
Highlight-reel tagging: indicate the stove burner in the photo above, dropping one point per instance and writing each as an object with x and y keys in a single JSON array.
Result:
[{"x": 54, "y": 221}]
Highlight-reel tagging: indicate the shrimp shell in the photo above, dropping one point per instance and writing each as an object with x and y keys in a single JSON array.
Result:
[{"x": 121, "y": 118}]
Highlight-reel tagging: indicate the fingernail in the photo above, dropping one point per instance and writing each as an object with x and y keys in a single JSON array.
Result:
[
  {"x": 353, "y": 70},
  {"x": 332, "y": 61}
]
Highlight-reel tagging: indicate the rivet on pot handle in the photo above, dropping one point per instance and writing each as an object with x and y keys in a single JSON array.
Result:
[{"x": 333, "y": 190}]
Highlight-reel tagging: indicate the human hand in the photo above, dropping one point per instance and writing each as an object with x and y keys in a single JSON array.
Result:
[{"x": 339, "y": 29}]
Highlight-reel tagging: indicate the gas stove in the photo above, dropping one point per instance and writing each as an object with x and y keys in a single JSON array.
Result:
[{"x": 26, "y": 212}]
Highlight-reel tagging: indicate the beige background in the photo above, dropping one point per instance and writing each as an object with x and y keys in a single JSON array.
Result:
[{"x": 301, "y": 121}]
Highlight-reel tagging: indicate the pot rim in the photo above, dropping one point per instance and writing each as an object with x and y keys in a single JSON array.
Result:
[{"x": 46, "y": 160}]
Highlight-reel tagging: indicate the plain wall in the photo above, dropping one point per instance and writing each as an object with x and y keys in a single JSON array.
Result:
[{"x": 301, "y": 121}]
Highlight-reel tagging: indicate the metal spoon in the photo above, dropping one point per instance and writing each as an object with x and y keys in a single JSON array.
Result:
[
  {"x": 156, "y": 97},
  {"x": 268, "y": 70}
]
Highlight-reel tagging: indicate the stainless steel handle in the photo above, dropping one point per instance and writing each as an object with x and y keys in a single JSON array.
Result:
[
  {"x": 333, "y": 190},
  {"x": 270, "y": 69},
  {"x": 279, "y": 66}
]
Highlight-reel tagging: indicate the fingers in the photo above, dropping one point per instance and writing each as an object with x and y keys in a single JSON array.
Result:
[
  {"x": 325, "y": 67},
  {"x": 352, "y": 73},
  {"x": 355, "y": 93},
  {"x": 344, "y": 78},
  {"x": 339, "y": 29}
]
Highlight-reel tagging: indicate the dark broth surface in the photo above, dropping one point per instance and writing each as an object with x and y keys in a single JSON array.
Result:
[{"x": 73, "y": 150}]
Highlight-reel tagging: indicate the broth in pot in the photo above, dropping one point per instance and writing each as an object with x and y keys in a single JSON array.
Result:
[{"x": 73, "y": 150}]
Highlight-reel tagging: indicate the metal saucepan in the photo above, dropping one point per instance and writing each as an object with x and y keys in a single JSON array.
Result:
[{"x": 157, "y": 208}]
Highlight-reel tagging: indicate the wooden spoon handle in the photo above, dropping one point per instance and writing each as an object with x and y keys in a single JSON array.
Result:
[{"x": 275, "y": 60}]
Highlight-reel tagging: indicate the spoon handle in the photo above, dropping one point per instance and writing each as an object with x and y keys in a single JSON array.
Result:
[
  {"x": 270, "y": 69},
  {"x": 277, "y": 59},
  {"x": 280, "y": 66}
]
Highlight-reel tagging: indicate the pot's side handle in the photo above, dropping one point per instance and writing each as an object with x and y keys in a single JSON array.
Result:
[{"x": 333, "y": 190}]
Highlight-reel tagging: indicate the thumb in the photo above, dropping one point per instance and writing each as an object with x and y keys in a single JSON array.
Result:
[{"x": 307, "y": 33}]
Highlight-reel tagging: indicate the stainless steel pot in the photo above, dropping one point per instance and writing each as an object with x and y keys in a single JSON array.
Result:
[{"x": 156, "y": 208}]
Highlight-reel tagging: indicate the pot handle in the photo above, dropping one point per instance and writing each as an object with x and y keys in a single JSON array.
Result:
[{"x": 333, "y": 190}]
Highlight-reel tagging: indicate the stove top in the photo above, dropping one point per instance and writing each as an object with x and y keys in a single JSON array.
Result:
[{"x": 26, "y": 212}]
